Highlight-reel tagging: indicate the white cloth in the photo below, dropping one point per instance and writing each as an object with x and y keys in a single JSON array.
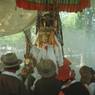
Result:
[
  {"x": 53, "y": 53},
  {"x": 35, "y": 74},
  {"x": 10, "y": 74},
  {"x": 92, "y": 88},
  {"x": 68, "y": 84},
  {"x": 58, "y": 53},
  {"x": 35, "y": 51}
]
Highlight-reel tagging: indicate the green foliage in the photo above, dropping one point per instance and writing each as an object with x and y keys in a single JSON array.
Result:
[
  {"x": 13, "y": 40},
  {"x": 68, "y": 20},
  {"x": 79, "y": 20}
]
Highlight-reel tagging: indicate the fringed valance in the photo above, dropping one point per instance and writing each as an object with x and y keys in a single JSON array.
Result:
[
  {"x": 47, "y": 5},
  {"x": 51, "y": 1}
]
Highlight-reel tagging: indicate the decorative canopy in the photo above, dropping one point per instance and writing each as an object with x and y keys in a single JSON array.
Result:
[
  {"x": 13, "y": 19},
  {"x": 47, "y": 5}
]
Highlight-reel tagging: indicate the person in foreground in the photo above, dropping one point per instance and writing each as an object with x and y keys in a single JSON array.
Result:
[
  {"x": 47, "y": 84},
  {"x": 10, "y": 84}
]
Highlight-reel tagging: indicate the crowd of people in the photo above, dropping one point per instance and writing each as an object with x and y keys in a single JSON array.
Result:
[{"x": 42, "y": 78}]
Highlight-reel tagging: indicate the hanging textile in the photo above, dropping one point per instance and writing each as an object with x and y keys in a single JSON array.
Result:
[
  {"x": 46, "y": 5},
  {"x": 51, "y": 1}
]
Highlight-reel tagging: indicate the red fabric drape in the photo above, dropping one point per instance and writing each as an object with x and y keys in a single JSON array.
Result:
[
  {"x": 46, "y": 7},
  {"x": 64, "y": 71}
]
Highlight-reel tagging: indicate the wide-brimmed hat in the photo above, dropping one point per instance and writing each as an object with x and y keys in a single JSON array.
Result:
[
  {"x": 10, "y": 60},
  {"x": 46, "y": 68}
]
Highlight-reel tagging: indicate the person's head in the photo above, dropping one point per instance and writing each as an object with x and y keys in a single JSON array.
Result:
[
  {"x": 93, "y": 79},
  {"x": 46, "y": 68},
  {"x": 11, "y": 62},
  {"x": 93, "y": 75},
  {"x": 86, "y": 74}
]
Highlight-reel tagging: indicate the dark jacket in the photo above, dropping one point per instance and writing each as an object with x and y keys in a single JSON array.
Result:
[
  {"x": 10, "y": 85},
  {"x": 47, "y": 86},
  {"x": 76, "y": 88}
]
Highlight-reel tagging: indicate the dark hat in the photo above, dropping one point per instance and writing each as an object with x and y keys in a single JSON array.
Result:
[
  {"x": 85, "y": 73},
  {"x": 10, "y": 60},
  {"x": 46, "y": 68},
  {"x": 85, "y": 70}
]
